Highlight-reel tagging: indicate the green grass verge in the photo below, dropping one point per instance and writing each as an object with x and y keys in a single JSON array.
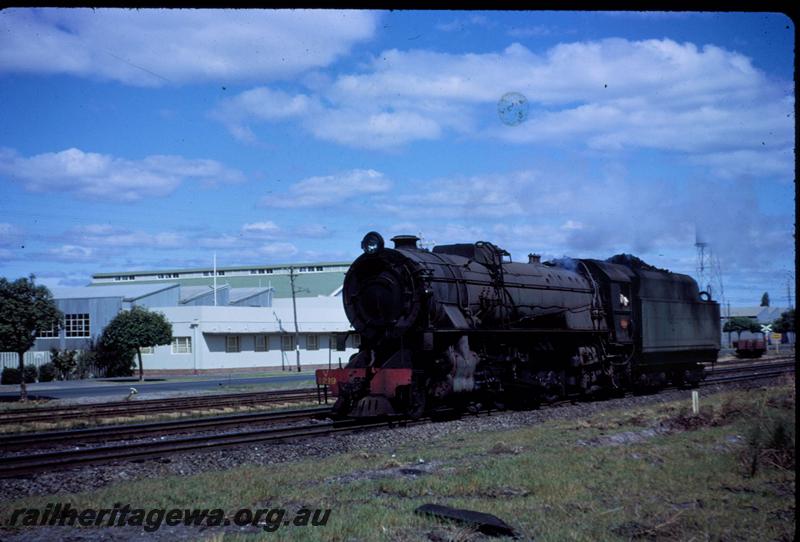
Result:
[{"x": 611, "y": 476}]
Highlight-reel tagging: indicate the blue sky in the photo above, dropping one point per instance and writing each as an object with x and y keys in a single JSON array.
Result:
[{"x": 152, "y": 139}]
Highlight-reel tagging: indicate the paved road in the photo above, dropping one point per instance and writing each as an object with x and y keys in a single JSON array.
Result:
[{"x": 63, "y": 390}]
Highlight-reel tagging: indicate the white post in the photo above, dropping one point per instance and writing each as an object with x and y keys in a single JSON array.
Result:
[
  {"x": 215, "y": 279},
  {"x": 695, "y": 402}
]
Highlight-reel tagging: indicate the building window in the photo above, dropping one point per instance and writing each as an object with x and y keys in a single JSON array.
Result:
[
  {"x": 232, "y": 343},
  {"x": 51, "y": 333},
  {"x": 269, "y": 271},
  {"x": 312, "y": 342},
  {"x": 287, "y": 343},
  {"x": 319, "y": 268},
  {"x": 147, "y": 350},
  {"x": 262, "y": 343},
  {"x": 77, "y": 325},
  {"x": 181, "y": 345},
  {"x": 220, "y": 273}
]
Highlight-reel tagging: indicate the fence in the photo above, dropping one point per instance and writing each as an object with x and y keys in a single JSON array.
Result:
[
  {"x": 37, "y": 359},
  {"x": 10, "y": 359}
]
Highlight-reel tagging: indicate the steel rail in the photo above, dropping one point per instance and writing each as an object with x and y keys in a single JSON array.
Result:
[
  {"x": 96, "y": 410},
  {"x": 141, "y": 430},
  {"x": 31, "y": 463},
  {"x": 750, "y": 368}
]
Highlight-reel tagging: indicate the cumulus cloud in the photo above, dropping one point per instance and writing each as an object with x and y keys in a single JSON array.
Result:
[
  {"x": 71, "y": 253},
  {"x": 330, "y": 190},
  {"x": 266, "y": 230},
  {"x": 609, "y": 95},
  {"x": 482, "y": 196},
  {"x": 152, "y": 47},
  {"x": 100, "y": 176},
  {"x": 106, "y": 236}
]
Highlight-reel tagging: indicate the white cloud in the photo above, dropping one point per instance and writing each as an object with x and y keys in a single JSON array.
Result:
[
  {"x": 104, "y": 177},
  {"x": 331, "y": 189},
  {"x": 71, "y": 253},
  {"x": 152, "y": 47},
  {"x": 372, "y": 129},
  {"x": 608, "y": 95},
  {"x": 267, "y": 230},
  {"x": 483, "y": 196},
  {"x": 106, "y": 236}
]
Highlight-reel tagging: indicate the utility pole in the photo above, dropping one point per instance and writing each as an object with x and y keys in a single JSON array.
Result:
[
  {"x": 294, "y": 309},
  {"x": 215, "y": 279},
  {"x": 283, "y": 332}
]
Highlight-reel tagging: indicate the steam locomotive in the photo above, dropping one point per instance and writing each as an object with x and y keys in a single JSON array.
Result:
[{"x": 462, "y": 325}]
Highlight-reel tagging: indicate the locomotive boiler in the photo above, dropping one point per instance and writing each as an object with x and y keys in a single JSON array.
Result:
[{"x": 462, "y": 325}]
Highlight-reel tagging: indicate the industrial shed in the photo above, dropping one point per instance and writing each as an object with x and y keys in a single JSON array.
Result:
[{"x": 245, "y": 329}]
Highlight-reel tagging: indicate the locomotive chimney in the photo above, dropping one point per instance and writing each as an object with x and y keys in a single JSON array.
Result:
[
  {"x": 534, "y": 258},
  {"x": 405, "y": 241}
]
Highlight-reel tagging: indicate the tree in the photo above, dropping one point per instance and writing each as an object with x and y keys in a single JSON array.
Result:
[
  {"x": 765, "y": 300},
  {"x": 26, "y": 310},
  {"x": 737, "y": 324},
  {"x": 137, "y": 328},
  {"x": 784, "y": 323}
]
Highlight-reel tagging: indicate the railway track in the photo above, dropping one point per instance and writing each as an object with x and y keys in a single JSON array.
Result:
[
  {"x": 109, "y": 433},
  {"x": 21, "y": 465},
  {"x": 151, "y": 406},
  {"x": 28, "y": 464}
]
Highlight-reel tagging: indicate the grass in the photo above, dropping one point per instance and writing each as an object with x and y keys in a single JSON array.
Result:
[{"x": 651, "y": 473}]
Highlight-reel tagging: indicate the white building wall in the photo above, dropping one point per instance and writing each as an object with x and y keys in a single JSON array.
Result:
[{"x": 208, "y": 328}]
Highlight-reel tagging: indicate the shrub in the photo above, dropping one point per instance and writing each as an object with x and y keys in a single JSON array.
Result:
[
  {"x": 29, "y": 373},
  {"x": 10, "y": 375},
  {"x": 770, "y": 442},
  {"x": 85, "y": 362},
  {"x": 47, "y": 372},
  {"x": 64, "y": 361}
]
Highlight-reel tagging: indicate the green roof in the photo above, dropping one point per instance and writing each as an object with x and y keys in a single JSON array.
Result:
[
  {"x": 306, "y": 284},
  {"x": 228, "y": 268}
]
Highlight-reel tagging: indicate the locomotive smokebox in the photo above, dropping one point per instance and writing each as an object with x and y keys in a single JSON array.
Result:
[{"x": 405, "y": 241}]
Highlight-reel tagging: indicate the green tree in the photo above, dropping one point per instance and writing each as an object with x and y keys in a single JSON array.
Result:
[
  {"x": 737, "y": 324},
  {"x": 765, "y": 299},
  {"x": 784, "y": 323},
  {"x": 137, "y": 328},
  {"x": 26, "y": 310}
]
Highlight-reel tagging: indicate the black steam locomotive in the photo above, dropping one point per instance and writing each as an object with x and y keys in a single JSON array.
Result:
[{"x": 461, "y": 324}]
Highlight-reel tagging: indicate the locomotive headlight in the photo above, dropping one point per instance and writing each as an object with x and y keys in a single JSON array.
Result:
[{"x": 372, "y": 243}]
